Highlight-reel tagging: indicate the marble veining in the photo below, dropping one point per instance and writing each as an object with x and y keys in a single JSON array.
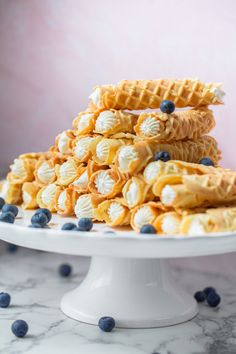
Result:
[{"x": 36, "y": 288}]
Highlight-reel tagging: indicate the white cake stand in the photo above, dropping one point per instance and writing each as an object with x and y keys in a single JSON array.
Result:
[{"x": 128, "y": 278}]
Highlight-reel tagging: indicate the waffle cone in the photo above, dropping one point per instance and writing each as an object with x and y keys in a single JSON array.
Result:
[
  {"x": 11, "y": 192},
  {"x": 29, "y": 195},
  {"x": 142, "y": 192},
  {"x": 104, "y": 211}
]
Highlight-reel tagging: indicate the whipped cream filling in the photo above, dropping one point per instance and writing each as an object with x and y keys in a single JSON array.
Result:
[
  {"x": 143, "y": 216},
  {"x": 82, "y": 181},
  {"x": 82, "y": 147},
  {"x": 132, "y": 194},
  {"x": 150, "y": 127},
  {"x": 105, "y": 121},
  {"x": 167, "y": 195},
  {"x": 26, "y": 197},
  {"x": 5, "y": 189},
  {"x": 67, "y": 170},
  {"x": 102, "y": 149},
  {"x": 84, "y": 121},
  {"x": 83, "y": 207},
  {"x": 151, "y": 171},
  {"x": 170, "y": 225},
  {"x": 61, "y": 202},
  {"x": 63, "y": 143},
  {"x": 219, "y": 93},
  {"x": 45, "y": 173},
  {"x": 114, "y": 211},
  {"x": 126, "y": 155},
  {"x": 104, "y": 183},
  {"x": 196, "y": 228},
  {"x": 95, "y": 97},
  {"x": 48, "y": 194},
  {"x": 18, "y": 168}
]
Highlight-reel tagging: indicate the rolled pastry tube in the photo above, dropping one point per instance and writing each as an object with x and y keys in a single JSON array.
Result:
[
  {"x": 143, "y": 94},
  {"x": 107, "y": 183},
  {"x": 110, "y": 122},
  {"x": 136, "y": 191},
  {"x": 86, "y": 206},
  {"x": 46, "y": 197},
  {"x": 84, "y": 123},
  {"x": 162, "y": 127},
  {"x": 114, "y": 212},
  {"x": 65, "y": 201},
  {"x": 168, "y": 223},
  {"x": 64, "y": 142},
  {"x": 22, "y": 170},
  {"x": 45, "y": 172},
  {"x": 84, "y": 147},
  {"x": 106, "y": 150},
  {"x": 29, "y": 195},
  {"x": 11, "y": 192},
  {"x": 146, "y": 214},
  {"x": 68, "y": 171}
]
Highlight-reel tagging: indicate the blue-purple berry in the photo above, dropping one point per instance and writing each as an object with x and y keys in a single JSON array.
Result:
[
  {"x": 167, "y": 106},
  {"x": 2, "y": 202},
  {"x": 46, "y": 212},
  {"x": 10, "y": 208},
  {"x": 11, "y": 248},
  {"x": 106, "y": 323},
  {"x": 85, "y": 224},
  {"x": 200, "y": 296},
  {"x": 209, "y": 290},
  {"x": 213, "y": 299},
  {"x": 148, "y": 229},
  {"x": 8, "y": 217},
  {"x": 206, "y": 161},
  {"x": 69, "y": 226},
  {"x": 20, "y": 328},
  {"x": 162, "y": 155},
  {"x": 39, "y": 219},
  {"x": 5, "y": 300},
  {"x": 65, "y": 270}
]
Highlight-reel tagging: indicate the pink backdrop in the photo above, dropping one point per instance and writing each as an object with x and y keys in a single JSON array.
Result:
[{"x": 54, "y": 51}]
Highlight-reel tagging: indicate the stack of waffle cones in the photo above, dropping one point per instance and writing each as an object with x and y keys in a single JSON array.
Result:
[{"x": 103, "y": 167}]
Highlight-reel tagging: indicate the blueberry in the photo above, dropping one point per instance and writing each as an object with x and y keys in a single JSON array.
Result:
[
  {"x": 106, "y": 323},
  {"x": 206, "y": 161},
  {"x": 213, "y": 299},
  {"x": 162, "y": 155},
  {"x": 9, "y": 207},
  {"x": 209, "y": 290},
  {"x": 46, "y": 212},
  {"x": 200, "y": 296},
  {"x": 69, "y": 226},
  {"x": 148, "y": 229},
  {"x": 7, "y": 217},
  {"x": 2, "y": 202},
  {"x": 40, "y": 219},
  {"x": 85, "y": 224},
  {"x": 65, "y": 270},
  {"x": 167, "y": 106},
  {"x": 11, "y": 248},
  {"x": 5, "y": 300},
  {"x": 19, "y": 328}
]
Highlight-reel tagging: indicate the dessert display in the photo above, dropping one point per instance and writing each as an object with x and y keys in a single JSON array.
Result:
[{"x": 126, "y": 167}]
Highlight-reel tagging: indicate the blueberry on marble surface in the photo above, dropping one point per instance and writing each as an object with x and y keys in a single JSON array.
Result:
[
  {"x": 213, "y": 299},
  {"x": 162, "y": 155},
  {"x": 206, "y": 161},
  {"x": 5, "y": 300},
  {"x": 2, "y": 202},
  {"x": 85, "y": 224},
  {"x": 200, "y": 296},
  {"x": 8, "y": 217},
  {"x": 209, "y": 290},
  {"x": 167, "y": 106},
  {"x": 10, "y": 208},
  {"x": 106, "y": 323},
  {"x": 11, "y": 248},
  {"x": 19, "y": 328},
  {"x": 69, "y": 226},
  {"x": 65, "y": 270},
  {"x": 46, "y": 212},
  {"x": 148, "y": 229}
]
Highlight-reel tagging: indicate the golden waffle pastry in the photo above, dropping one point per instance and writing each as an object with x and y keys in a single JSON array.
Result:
[
  {"x": 142, "y": 94},
  {"x": 46, "y": 197},
  {"x": 65, "y": 201},
  {"x": 11, "y": 192},
  {"x": 214, "y": 220},
  {"x": 86, "y": 206},
  {"x": 132, "y": 159},
  {"x": 112, "y": 122},
  {"x": 45, "y": 170},
  {"x": 64, "y": 142},
  {"x": 106, "y": 149},
  {"x": 29, "y": 195},
  {"x": 146, "y": 214},
  {"x": 68, "y": 171},
  {"x": 190, "y": 124},
  {"x": 107, "y": 183},
  {"x": 168, "y": 223},
  {"x": 83, "y": 147},
  {"x": 22, "y": 170},
  {"x": 114, "y": 212},
  {"x": 84, "y": 123},
  {"x": 136, "y": 191}
]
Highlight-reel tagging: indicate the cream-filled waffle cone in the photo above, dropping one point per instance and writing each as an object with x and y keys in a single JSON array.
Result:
[
  {"x": 68, "y": 171},
  {"x": 107, "y": 183},
  {"x": 86, "y": 206},
  {"x": 214, "y": 220},
  {"x": 45, "y": 172},
  {"x": 106, "y": 149},
  {"x": 136, "y": 191},
  {"x": 190, "y": 124},
  {"x": 11, "y": 192},
  {"x": 142, "y": 94},
  {"x": 84, "y": 123},
  {"x": 22, "y": 170},
  {"x": 168, "y": 223},
  {"x": 111, "y": 122},
  {"x": 84, "y": 147},
  {"x": 114, "y": 212},
  {"x": 64, "y": 142},
  {"x": 29, "y": 195},
  {"x": 46, "y": 197},
  {"x": 66, "y": 200},
  {"x": 146, "y": 214}
]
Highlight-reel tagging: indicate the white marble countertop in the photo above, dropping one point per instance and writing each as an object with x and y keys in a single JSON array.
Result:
[{"x": 32, "y": 279}]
